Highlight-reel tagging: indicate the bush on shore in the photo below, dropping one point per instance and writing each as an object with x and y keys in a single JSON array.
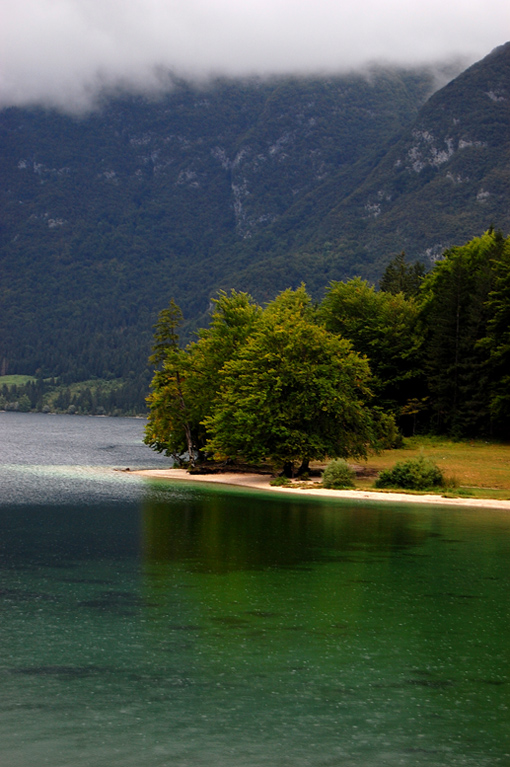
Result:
[
  {"x": 337, "y": 475},
  {"x": 415, "y": 474}
]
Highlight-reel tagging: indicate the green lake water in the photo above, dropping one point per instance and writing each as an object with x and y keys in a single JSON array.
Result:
[{"x": 182, "y": 626}]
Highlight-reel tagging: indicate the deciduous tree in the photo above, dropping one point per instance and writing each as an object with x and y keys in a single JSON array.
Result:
[
  {"x": 185, "y": 386},
  {"x": 382, "y": 326},
  {"x": 294, "y": 392}
]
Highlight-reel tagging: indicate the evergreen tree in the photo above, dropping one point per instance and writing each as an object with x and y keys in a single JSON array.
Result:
[
  {"x": 402, "y": 277},
  {"x": 497, "y": 341},
  {"x": 455, "y": 314}
]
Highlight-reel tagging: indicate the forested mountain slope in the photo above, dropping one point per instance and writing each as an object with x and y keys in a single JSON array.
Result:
[
  {"x": 250, "y": 184},
  {"x": 446, "y": 180},
  {"x": 105, "y": 217}
]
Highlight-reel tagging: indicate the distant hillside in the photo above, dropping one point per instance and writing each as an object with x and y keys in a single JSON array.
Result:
[{"x": 251, "y": 184}]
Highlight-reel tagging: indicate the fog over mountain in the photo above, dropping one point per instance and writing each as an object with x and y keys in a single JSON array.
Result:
[{"x": 65, "y": 52}]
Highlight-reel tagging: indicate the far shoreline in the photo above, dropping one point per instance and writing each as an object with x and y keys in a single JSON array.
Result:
[{"x": 261, "y": 482}]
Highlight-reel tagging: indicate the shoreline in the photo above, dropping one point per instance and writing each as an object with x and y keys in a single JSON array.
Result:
[{"x": 261, "y": 482}]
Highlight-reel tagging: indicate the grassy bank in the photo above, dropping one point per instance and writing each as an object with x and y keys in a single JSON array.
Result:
[{"x": 473, "y": 468}]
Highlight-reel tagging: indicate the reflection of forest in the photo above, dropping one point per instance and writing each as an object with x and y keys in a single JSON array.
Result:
[
  {"x": 276, "y": 573},
  {"x": 253, "y": 584},
  {"x": 219, "y": 532}
]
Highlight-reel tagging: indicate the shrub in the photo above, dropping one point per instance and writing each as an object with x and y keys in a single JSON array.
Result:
[
  {"x": 337, "y": 475},
  {"x": 280, "y": 482},
  {"x": 414, "y": 474}
]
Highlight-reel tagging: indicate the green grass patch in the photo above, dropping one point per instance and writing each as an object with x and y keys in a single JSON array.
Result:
[
  {"x": 60, "y": 396},
  {"x": 16, "y": 380}
]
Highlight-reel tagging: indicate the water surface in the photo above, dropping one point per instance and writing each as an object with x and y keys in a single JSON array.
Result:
[{"x": 181, "y": 625}]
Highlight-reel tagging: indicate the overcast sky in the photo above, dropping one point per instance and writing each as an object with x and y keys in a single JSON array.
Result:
[{"x": 62, "y": 51}]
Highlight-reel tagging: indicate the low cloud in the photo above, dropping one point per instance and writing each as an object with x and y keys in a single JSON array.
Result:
[{"x": 64, "y": 52}]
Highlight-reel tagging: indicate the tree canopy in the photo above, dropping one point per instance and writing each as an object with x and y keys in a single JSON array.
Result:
[
  {"x": 295, "y": 392},
  {"x": 402, "y": 277},
  {"x": 270, "y": 384},
  {"x": 294, "y": 382},
  {"x": 382, "y": 326},
  {"x": 185, "y": 386}
]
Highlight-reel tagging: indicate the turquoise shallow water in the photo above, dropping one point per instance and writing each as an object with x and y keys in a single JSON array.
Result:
[{"x": 181, "y": 626}]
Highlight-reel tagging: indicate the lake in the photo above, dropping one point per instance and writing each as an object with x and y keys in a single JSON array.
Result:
[{"x": 183, "y": 625}]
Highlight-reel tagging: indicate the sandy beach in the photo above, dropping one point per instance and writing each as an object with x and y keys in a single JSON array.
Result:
[{"x": 261, "y": 482}]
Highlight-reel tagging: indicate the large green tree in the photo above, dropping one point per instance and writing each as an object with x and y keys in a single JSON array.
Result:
[
  {"x": 294, "y": 392},
  {"x": 169, "y": 427},
  {"x": 382, "y": 326},
  {"x": 185, "y": 385}
]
